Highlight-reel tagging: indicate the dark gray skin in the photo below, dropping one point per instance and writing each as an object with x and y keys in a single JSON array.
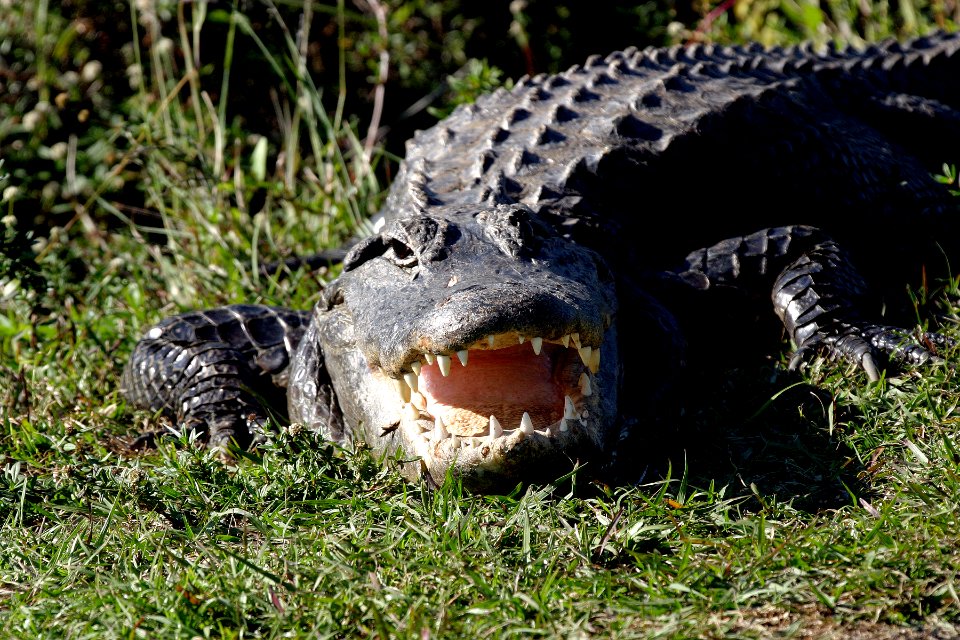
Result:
[{"x": 565, "y": 210}]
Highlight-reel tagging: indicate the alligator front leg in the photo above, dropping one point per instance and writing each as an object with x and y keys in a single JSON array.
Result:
[
  {"x": 218, "y": 372},
  {"x": 816, "y": 292},
  {"x": 815, "y": 297}
]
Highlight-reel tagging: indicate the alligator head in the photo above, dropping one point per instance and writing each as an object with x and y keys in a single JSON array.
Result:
[{"x": 481, "y": 342}]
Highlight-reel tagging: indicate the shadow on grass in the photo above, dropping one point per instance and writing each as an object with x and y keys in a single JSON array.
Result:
[{"x": 762, "y": 433}]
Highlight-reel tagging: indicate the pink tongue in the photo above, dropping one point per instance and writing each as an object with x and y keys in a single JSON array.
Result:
[{"x": 503, "y": 383}]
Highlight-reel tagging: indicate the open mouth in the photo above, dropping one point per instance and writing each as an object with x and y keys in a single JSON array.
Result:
[{"x": 498, "y": 391}]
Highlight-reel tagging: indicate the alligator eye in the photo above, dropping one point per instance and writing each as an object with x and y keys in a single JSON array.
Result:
[{"x": 392, "y": 249}]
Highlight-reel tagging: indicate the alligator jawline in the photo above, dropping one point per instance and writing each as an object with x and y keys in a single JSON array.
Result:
[{"x": 497, "y": 393}]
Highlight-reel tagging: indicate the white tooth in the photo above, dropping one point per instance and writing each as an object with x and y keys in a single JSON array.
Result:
[
  {"x": 428, "y": 357},
  {"x": 521, "y": 338},
  {"x": 416, "y": 366},
  {"x": 490, "y": 340},
  {"x": 418, "y": 400},
  {"x": 495, "y": 429},
  {"x": 537, "y": 344},
  {"x": 565, "y": 340},
  {"x": 410, "y": 412},
  {"x": 595, "y": 360},
  {"x": 462, "y": 355},
  {"x": 439, "y": 431},
  {"x": 526, "y": 424},
  {"x": 411, "y": 379},
  {"x": 454, "y": 441},
  {"x": 569, "y": 411},
  {"x": 403, "y": 390},
  {"x": 444, "y": 363},
  {"x": 547, "y": 432},
  {"x": 585, "y": 387},
  {"x": 564, "y": 427},
  {"x": 585, "y": 355},
  {"x": 422, "y": 450},
  {"x": 575, "y": 338}
]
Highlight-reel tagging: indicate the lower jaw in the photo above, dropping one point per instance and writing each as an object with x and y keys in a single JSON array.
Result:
[{"x": 486, "y": 465}]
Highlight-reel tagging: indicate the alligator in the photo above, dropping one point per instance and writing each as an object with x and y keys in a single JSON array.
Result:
[{"x": 551, "y": 260}]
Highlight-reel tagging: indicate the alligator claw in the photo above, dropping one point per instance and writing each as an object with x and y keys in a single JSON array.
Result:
[
  {"x": 870, "y": 367},
  {"x": 868, "y": 344},
  {"x": 798, "y": 357}
]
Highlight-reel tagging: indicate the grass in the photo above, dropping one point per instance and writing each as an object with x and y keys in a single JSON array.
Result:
[{"x": 820, "y": 509}]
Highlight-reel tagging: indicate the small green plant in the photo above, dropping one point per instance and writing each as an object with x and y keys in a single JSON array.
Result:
[
  {"x": 951, "y": 177},
  {"x": 473, "y": 80}
]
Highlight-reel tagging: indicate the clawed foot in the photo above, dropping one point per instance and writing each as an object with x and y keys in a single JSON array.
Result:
[{"x": 871, "y": 346}]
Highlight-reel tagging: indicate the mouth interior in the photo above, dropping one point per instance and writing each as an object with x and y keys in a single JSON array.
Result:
[
  {"x": 507, "y": 386},
  {"x": 504, "y": 383}
]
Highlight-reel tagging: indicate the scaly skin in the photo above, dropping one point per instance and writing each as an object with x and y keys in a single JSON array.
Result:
[{"x": 558, "y": 215}]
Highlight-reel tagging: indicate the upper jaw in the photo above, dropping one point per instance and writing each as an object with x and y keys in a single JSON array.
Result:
[{"x": 465, "y": 318}]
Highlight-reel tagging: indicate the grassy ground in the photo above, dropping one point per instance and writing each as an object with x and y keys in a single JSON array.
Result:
[{"x": 822, "y": 507}]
